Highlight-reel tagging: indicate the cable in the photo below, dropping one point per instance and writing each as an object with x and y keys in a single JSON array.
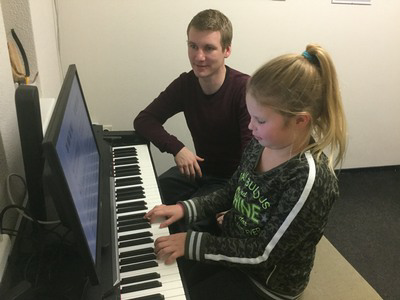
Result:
[
  {"x": 23, "y": 54},
  {"x": 57, "y": 31},
  {"x": 24, "y": 199},
  {"x": 4, "y": 210}
]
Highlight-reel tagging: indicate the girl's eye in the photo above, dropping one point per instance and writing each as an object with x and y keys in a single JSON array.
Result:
[{"x": 260, "y": 122}]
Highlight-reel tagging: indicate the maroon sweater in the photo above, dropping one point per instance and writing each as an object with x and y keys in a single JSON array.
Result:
[{"x": 218, "y": 122}]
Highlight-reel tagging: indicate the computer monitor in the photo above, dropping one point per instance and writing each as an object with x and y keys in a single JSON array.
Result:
[{"x": 72, "y": 171}]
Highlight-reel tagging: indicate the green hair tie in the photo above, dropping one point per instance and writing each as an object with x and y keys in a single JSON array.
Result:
[{"x": 310, "y": 57}]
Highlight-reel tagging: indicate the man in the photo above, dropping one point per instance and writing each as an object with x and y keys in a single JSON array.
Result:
[{"x": 212, "y": 98}]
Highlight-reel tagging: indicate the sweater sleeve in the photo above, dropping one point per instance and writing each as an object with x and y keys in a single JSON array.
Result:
[
  {"x": 199, "y": 208},
  {"x": 149, "y": 122}
]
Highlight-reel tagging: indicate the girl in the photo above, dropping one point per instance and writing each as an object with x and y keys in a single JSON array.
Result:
[{"x": 280, "y": 196}]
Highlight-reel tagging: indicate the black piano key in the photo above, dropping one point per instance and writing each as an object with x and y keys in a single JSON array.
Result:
[
  {"x": 137, "y": 259},
  {"x": 132, "y": 221},
  {"x": 136, "y": 252},
  {"x": 124, "y": 172},
  {"x": 128, "y": 190},
  {"x": 128, "y": 181},
  {"x": 133, "y": 227},
  {"x": 133, "y": 236},
  {"x": 127, "y": 172},
  {"x": 130, "y": 208},
  {"x": 149, "y": 297},
  {"x": 135, "y": 208},
  {"x": 125, "y": 161},
  {"x": 133, "y": 216},
  {"x": 124, "y": 152},
  {"x": 139, "y": 266},
  {"x": 126, "y": 193},
  {"x": 139, "y": 278},
  {"x": 130, "y": 197},
  {"x": 141, "y": 286},
  {"x": 130, "y": 204},
  {"x": 135, "y": 242},
  {"x": 139, "y": 208},
  {"x": 128, "y": 169},
  {"x": 131, "y": 148}
]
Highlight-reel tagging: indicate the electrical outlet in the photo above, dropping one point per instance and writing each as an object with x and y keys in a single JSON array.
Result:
[
  {"x": 5, "y": 247},
  {"x": 107, "y": 127}
]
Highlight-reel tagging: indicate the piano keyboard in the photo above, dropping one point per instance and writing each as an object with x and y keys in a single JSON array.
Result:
[{"x": 136, "y": 191}]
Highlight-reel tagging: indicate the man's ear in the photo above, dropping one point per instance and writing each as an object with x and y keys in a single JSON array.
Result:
[{"x": 227, "y": 51}]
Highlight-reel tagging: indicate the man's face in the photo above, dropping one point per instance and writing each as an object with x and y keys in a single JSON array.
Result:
[{"x": 205, "y": 53}]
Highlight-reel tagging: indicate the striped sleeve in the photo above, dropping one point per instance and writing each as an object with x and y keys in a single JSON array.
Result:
[{"x": 193, "y": 245}]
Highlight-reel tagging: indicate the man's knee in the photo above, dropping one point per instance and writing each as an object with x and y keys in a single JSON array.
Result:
[{"x": 175, "y": 187}]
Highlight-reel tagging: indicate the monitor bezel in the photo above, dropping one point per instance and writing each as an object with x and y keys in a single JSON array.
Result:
[{"x": 57, "y": 185}]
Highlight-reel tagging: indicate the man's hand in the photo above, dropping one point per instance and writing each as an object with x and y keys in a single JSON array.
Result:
[
  {"x": 172, "y": 213},
  {"x": 169, "y": 248},
  {"x": 187, "y": 163}
]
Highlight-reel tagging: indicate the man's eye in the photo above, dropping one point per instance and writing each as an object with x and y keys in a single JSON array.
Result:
[{"x": 209, "y": 49}]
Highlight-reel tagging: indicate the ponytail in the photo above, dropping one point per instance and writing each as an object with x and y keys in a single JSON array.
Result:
[{"x": 307, "y": 82}]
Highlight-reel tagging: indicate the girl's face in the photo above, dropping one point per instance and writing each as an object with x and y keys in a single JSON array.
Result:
[{"x": 268, "y": 126}]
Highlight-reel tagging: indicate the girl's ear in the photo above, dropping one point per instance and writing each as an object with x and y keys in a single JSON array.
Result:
[{"x": 303, "y": 119}]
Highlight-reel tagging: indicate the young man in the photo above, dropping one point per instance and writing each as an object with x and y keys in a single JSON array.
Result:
[{"x": 212, "y": 98}]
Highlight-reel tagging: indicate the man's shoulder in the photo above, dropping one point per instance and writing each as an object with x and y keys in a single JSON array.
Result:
[
  {"x": 233, "y": 73},
  {"x": 189, "y": 75},
  {"x": 184, "y": 80}
]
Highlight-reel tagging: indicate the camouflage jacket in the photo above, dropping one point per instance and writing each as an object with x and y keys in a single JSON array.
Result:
[{"x": 273, "y": 224}]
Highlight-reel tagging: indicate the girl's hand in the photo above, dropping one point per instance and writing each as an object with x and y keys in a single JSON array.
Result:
[
  {"x": 169, "y": 248},
  {"x": 166, "y": 214}
]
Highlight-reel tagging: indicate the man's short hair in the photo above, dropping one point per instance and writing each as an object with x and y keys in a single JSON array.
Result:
[{"x": 213, "y": 20}]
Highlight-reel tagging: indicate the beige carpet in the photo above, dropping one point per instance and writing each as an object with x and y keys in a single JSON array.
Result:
[{"x": 333, "y": 278}]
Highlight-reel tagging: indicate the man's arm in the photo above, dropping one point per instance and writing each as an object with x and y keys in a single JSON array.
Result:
[{"x": 149, "y": 124}]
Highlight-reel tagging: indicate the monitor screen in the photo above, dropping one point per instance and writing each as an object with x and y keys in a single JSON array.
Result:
[{"x": 72, "y": 169}]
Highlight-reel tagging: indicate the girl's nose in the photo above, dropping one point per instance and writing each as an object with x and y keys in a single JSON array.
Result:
[{"x": 250, "y": 126}]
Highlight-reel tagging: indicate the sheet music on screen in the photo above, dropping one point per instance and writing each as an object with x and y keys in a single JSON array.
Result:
[{"x": 79, "y": 157}]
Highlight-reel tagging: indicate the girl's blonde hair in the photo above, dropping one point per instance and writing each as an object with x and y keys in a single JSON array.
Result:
[{"x": 298, "y": 83}]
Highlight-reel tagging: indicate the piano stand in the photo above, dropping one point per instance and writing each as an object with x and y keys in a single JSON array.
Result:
[{"x": 40, "y": 267}]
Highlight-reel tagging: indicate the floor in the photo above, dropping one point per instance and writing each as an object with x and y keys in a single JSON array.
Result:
[{"x": 364, "y": 226}]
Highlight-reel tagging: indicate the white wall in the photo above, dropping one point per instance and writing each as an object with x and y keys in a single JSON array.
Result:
[
  {"x": 128, "y": 51},
  {"x": 44, "y": 32},
  {"x": 10, "y": 153}
]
